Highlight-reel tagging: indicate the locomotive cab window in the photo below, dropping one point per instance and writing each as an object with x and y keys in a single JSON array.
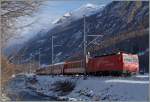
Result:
[{"x": 131, "y": 59}]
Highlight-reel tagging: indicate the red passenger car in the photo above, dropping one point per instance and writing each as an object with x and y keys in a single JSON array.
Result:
[
  {"x": 121, "y": 62},
  {"x": 57, "y": 68},
  {"x": 74, "y": 67}
]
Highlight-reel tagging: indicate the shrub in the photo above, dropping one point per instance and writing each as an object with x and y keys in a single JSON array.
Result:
[{"x": 63, "y": 87}]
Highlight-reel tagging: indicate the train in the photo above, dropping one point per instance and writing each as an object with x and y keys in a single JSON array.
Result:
[{"x": 115, "y": 64}]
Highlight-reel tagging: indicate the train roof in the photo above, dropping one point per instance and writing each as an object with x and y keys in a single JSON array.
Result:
[
  {"x": 58, "y": 63},
  {"x": 44, "y": 66},
  {"x": 74, "y": 61},
  {"x": 114, "y": 53}
]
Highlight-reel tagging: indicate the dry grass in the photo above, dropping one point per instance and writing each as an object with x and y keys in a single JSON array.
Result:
[{"x": 8, "y": 69}]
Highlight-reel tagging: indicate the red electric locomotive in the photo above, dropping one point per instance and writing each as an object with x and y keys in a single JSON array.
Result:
[{"x": 120, "y": 62}]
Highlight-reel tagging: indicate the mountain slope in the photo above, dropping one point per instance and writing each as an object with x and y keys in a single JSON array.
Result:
[{"x": 123, "y": 24}]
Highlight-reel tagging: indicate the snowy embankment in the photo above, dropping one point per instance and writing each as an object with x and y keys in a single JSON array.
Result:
[
  {"x": 97, "y": 88},
  {"x": 80, "y": 88}
]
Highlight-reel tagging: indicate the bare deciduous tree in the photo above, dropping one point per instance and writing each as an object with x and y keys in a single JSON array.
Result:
[{"x": 10, "y": 11}]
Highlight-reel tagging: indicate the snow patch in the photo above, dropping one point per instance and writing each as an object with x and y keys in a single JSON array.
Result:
[
  {"x": 68, "y": 14},
  {"x": 90, "y": 5},
  {"x": 143, "y": 76},
  {"x": 127, "y": 81}
]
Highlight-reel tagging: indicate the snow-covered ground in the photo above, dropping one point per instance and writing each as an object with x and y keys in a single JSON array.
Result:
[{"x": 92, "y": 88}]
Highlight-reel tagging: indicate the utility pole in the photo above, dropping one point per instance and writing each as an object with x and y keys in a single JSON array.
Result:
[
  {"x": 31, "y": 57},
  {"x": 84, "y": 40},
  {"x": 18, "y": 60},
  {"x": 39, "y": 57},
  {"x": 52, "y": 38},
  {"x": 52, "y": 47},
  {"x": 30, "y": 66},
  {"x": 22, "y": 63}
]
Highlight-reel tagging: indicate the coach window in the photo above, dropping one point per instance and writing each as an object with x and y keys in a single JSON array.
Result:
[
  {"x": 71, "y": 65},
  {"x": 75, "y": 65},
  {"x": 78, "y": 65}
]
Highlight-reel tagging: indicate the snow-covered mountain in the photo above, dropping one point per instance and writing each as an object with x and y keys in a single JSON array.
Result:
[
  {"x": 86, "y": 10},
  {"x": 124, "y": 26}
]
